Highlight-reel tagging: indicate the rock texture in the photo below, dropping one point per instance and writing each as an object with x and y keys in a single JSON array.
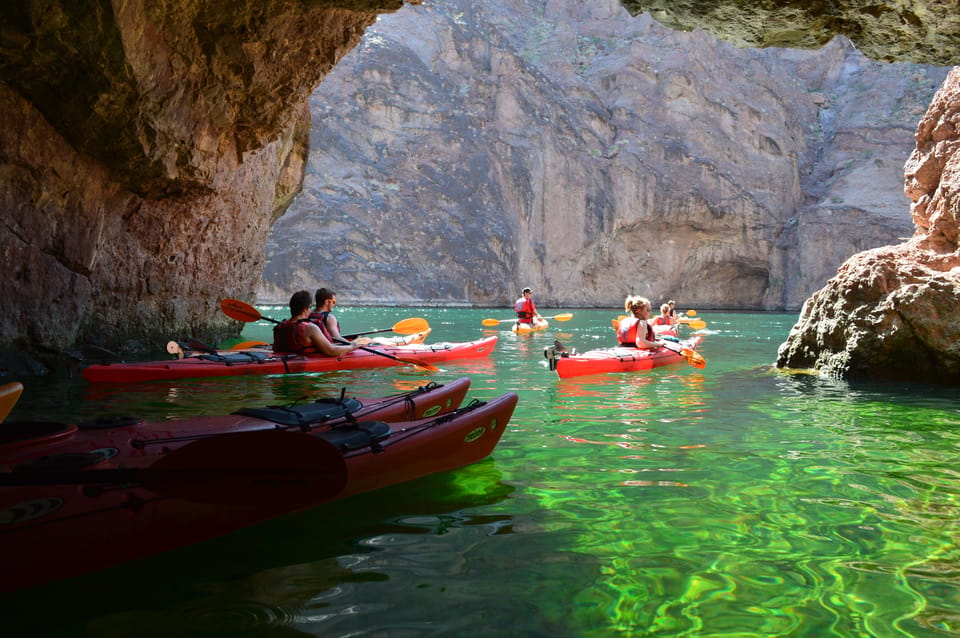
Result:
[
  {"x": 145, "y": 149},
  {"x": 586, "y": 153},
  {"x": 894, "y": 312},
  {"x": 902, "y": 30}
]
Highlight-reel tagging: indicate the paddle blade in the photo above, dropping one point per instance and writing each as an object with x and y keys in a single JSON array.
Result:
[
  {"x": 697, "y": 324},
  {"x": 493, "y": 322},
  {"x": 267, "y": 467},
  {"x": 9, "y": 395},
  {"x": 691, "y": 313},
  {"x": 236, "y": 309},
  {"x": 243, "y": 345},
  {"x": 419, "y": 364},
  {"x": 694, "y": 358},
  {"x": 567, "y": 316},
  {"x": 411, "y": 326}
]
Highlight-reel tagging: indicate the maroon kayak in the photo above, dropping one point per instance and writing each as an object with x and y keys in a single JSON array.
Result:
[{"x": 77, "y": 498}]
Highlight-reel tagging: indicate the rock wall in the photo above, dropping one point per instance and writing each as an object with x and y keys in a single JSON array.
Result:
[
  {"x": 902, "y": 30},
  {"x": 894, "y": 312},
  {"x": 145, "y": 149},
  {"x": 588, "y": 154}
]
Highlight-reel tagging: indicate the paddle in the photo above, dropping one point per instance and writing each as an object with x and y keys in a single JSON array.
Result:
[
  {"x": 566, "y": 316},
  {"x": 236, "y": 309},
  {"x": 9, "y": 395},
  {"x": 691, "y": 313},
  {"x": 695, "y": 324},
  {"x": 264, "y": 467},
  {"x": 693, "y": 357},
  {"x": 410, "y": 326}
]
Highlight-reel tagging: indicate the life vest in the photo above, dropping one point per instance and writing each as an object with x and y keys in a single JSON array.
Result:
[
  {"x": 526, "y": 310},
  {"x": 662, "y": 320},
  {"x": 627, "y": 333},
  {"x": 320, "y": 318},
  {"x": 288, "y": 336}
]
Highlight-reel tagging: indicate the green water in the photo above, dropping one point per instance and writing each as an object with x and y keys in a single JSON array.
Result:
[{"x": 731, "y": 501}]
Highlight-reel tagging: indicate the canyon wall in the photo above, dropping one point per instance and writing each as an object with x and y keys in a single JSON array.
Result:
[{"x": 589, "y": 154}]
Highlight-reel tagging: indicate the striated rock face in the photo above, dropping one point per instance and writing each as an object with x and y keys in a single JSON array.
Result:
[
  {"x": 145, "y": 149},
  {"x": 901, "y": 30},
  {"x": 589, "y": 154},
  {"x": 894, "y": 312}
]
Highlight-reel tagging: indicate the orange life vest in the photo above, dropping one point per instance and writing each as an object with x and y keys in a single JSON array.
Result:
[{"x": 627, "y": 333}]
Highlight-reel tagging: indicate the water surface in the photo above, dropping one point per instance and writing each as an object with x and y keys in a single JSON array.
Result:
[{"x": 736, "y": 500}]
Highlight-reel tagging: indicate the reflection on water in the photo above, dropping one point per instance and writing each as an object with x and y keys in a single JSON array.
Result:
[{"x": 733, "y": 500}]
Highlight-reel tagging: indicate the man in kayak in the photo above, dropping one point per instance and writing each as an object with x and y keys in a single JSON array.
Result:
[
  {"x": 322, "y": 314},
  {"x": 299, "y": 335},
  {"x": 526, "y": 309},
  {"x": 635, "y": 331}
]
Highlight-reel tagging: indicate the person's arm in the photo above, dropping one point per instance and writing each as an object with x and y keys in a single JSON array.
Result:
[
  {"x": 323, "y": 345},
  {"x": 333, "y": 327},
  {"x": 642, "y": 337}
]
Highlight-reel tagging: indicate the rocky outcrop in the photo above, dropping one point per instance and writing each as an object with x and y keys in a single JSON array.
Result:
[
  {"x": 891, "y": 30},
  {"x": 586, "y": 153},
  {"x": 894, "y": 312},
  {"x": 145, "y": 149}
]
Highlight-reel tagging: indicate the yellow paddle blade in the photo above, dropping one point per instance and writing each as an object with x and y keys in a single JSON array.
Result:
[
  {"x": 411, "y": 326},
  {"x": 9, "y": 395},
  {"x": 494, "y": 322},
  {"x": 616, "y": 323},
  {"x": 567, "y": 316},
  {"x": 691, "y": 313},
  {"x": 697, "y": 324}
]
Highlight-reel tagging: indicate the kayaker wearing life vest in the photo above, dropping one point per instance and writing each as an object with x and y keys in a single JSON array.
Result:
[
  {"x": 635, "y": 331},
  {"x": 526, "y": 309},
  {"x": 299, "y": 335},
  {"x": 322, "y": 314},
  {"x": 665, "y": 319}
]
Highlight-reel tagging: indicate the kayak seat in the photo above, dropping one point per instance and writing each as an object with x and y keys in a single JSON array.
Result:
[
  {"x": 356, "y": 437},
  {"x": 306, "y": 413},
  {"x": 236, "y": 357}
]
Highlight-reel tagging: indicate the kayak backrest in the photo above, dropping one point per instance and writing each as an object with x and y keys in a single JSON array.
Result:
[
  {"x": 356, "y": 437},
  {"x": 305, "y": 413}
]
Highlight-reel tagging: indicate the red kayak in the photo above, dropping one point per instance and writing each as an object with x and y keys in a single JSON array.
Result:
[
  {"x": 619, "y": 359},
  {"x": 252, "y": 362},
  {"x": 77, "y": 498}
]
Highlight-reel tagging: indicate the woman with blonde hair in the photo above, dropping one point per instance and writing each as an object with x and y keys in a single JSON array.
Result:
[{"x": 635, "y": 331}]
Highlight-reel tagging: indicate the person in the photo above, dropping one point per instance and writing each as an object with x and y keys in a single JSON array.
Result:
[
  {"x": 322, "y": 315},
  {"x": 526, "y": 308},
  {"x": 299, "y": 335},
  {"x": 673, "y": 310},
  {"x": 665, "y": 318},
  {"x": 635, "y": 331}
]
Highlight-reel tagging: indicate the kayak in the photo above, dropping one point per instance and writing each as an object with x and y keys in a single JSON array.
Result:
[
  {"x": 259, "y": 362},
  {"x": 78, "y": 498},
  {"x": 615, "y": 359},
  {"x": 537, "y": 326}
]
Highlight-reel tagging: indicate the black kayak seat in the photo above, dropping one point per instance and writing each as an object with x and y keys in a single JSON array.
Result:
[
  {"x": 355, "y": 437},
  {"x": 305, "y": 413}
]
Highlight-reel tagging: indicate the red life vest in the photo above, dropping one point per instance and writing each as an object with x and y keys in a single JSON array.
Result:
[
  {"x": 662, "y": 320},
  {"x": 526, "y": 310},
  {"x": 288, "y": 336},
  {"x": 320, "y": 318},
  {"x": 627, "y": 333}
]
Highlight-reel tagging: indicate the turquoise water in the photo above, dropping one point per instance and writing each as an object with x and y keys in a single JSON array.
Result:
[{"x": 732, "y": 501}]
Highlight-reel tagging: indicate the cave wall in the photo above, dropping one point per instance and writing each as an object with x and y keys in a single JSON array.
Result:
[{"x": 145, "y": 150}]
